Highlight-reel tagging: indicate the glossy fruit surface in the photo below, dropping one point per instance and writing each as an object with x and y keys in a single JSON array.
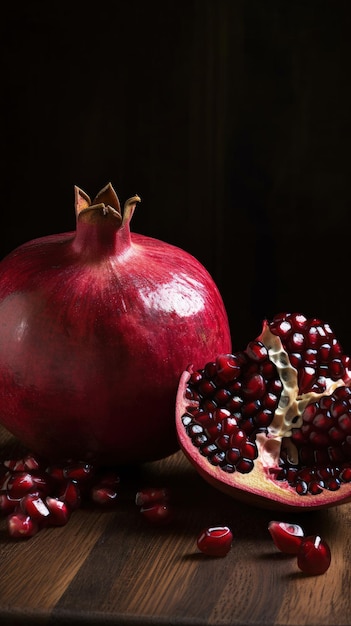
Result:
[
  {"x": 314, "y": 556},
  {"x": 96, "y": 327},
  {"x": 271, "y": 424}
]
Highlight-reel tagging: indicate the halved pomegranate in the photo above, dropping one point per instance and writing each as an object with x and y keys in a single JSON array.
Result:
[{"x": 271, "y": 424}]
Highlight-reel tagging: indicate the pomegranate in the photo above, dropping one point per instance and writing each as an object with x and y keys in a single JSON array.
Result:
[
  {"x": 96, "y": 326},
  {"x": 271, "y": 424}
]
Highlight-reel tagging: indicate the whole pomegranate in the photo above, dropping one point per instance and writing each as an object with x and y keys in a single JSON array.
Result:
[
  {"x": 271, "y": 424},
  {"x": 96, "y": 326}
]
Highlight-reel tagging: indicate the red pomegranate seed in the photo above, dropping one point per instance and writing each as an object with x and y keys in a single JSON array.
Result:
[
  {"x": 31, "y": 463},
  {"x": 298, "y": 321},
  {"x": 158, "y": 513},
  {"x": 110, "y": 479},
  {"x": 56, "y": 472},
  {"x": 257, "y": 351},
  {"x": 254, "y": 387},
  {"x": 228, "y": 367},
  {"x": 35, "y": 507},
  {"x": 215, "y": 541},
  {"x": 346, "y": 474},
  {"x": 314, "y": 556},
  {"x": 7, "y": 504},
  {"x": 79, "y": 471},
  {"x": 20, "y": 525},
  {"x": 20, "y": 483},
  {"x": 70, "y": 494},
  {"x": 15, "y": 465},
  {"x": 150, "y": 495},
  {"x": 103, "y": 495},
  {"x": 287, "y": 537},
  {"x": 59, "y": 511}
]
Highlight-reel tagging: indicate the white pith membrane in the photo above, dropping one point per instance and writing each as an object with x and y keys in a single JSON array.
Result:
[
  {"x": 259, "y": 486},
  {"x": 289, "y": 412}
]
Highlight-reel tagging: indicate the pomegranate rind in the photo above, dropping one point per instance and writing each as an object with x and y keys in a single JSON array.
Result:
[{"x": 258, "y": 488}]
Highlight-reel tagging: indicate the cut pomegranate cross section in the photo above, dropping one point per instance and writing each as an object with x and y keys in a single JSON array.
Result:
[{"x": 272, "y": 424}]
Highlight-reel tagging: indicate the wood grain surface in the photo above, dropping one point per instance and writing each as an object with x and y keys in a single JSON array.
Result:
[{"x": 112, "y": 567}]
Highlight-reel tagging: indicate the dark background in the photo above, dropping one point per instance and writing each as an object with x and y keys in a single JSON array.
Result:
[{"x": 230, "y": 118}]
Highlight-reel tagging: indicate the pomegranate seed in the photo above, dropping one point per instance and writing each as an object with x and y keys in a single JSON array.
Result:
[
  {"x": 233, "y": 455},
  {"x": 254, "y": 387},
  {"x": 20, "y": 525},
  {"x": 35, "y": 507},
  {"x": 70, "y": 494},
  {"x": 7, "y": 504},
  {"x": 110, "y": 479},
  {"x": 314, "y": 556},
  {"x": 287, "y": 537},
  {"x": 157, "y": 513},
  {"x": 257, "y": 351},
  {"x": 228, "y": 367},
  {"x": 346, "y": 474},
  {"x": 298, "y": 321},
  {"x": 244, "y": 466},
  {"x": 56, "y": 472},
  {"x": 31, "y": 463},
  {"x": 15, "y": 465},
  {"x": 79, "y": 471},
  {"x": 59, "y": 511},
  {"x": 20, "y": 483},
  {"x": 215, "y": 541},
  {"x": 103, "y": 495},
  {"x": 150, "y": 495}
]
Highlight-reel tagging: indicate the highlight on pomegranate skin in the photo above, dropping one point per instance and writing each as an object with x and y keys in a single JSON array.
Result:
[
  {"x": 96, "y": 326},
  {"x": 271, "y": 424}
]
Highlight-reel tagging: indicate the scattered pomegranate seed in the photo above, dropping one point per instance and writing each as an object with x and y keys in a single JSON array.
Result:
[
  {"x": 70, "y": 493},
  {"x": 7, "y": 504},
  {"x": 20, "y": 525},
  {"x": 59, "y": 511},
  {"x": 31, "y": 463},
  {"x": 150, "y": 495},
  {"x": 314, "y": 556},
  {"x": 215, "y": 541},
  {"x": 287, "y": 537},
  {"x": 157, "y": 513},
  {"x": 103, "y": 495},
  {"x": 35, "y": 507},
  {"x": 79, "y": 471},
  {"x": 20, "y": 483}
]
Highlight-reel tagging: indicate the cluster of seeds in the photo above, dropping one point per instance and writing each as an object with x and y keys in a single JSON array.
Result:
[
  {"x": 236, "y": 398},
  {"x": 313, "y": 350},
  {"x": 34, "y": 496},
  {"x": 324, "y": 445}
]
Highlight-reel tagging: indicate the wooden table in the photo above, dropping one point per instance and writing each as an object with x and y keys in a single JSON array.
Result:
[{"x": 113, "y": 568}]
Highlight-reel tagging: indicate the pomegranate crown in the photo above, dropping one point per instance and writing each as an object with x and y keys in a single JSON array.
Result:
[{"x": 105, "y": 202}]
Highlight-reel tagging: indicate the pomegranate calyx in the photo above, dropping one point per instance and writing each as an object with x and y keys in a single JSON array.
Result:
[
  {"x": 105, "y": 203},
  {"x": 129, "y": 208}
]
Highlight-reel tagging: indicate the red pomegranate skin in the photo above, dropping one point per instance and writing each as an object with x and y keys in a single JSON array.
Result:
[{"x": 96, "y": 326}]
